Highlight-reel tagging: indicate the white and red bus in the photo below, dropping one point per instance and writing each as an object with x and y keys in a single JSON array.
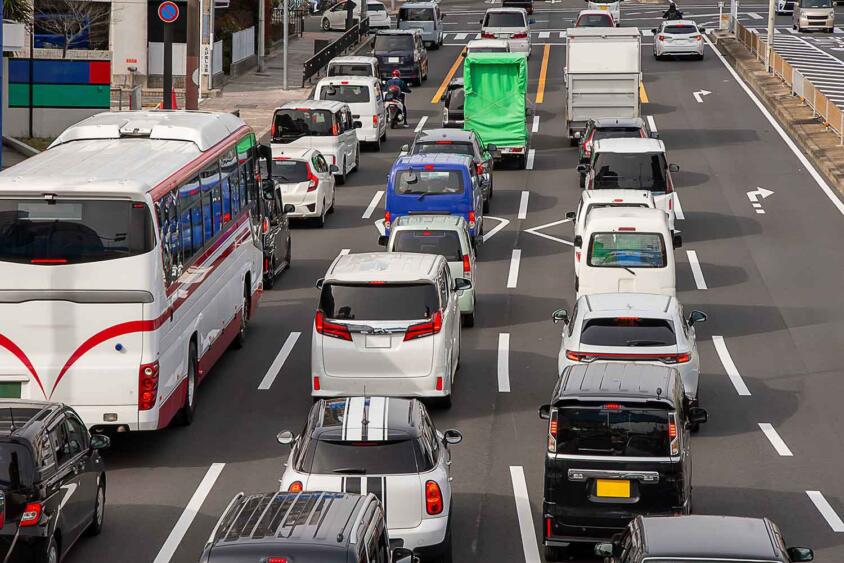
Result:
[{"x": 130, "y": 259}]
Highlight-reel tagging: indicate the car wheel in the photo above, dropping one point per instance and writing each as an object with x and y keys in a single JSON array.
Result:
[
  {"x": 51, "y": 555},
  {"x": 326, "y": 25},
  {"x": 469, "y": 319},
  {"x": 341, "y": 179},
  {"x": 522, "y": 162},
  {"x": 333, "y": 201},
  {"x": 418, "y": 79},
  {"x": 96, "y": 525},
  {"x": 319, "y": 222},
  {"x": 384, "y": 136},
  {"x": 357, "y": 159},
  {"x": 486, "y": 205},
  {"x": 377, "y": 144},
  {"x": 243, "y": 333},
  {"x": 555, "y": 553},
  {"x": 830, "y": 30},
  {"x": 269, "y": 276}
]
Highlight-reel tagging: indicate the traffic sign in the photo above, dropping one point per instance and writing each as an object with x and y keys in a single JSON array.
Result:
[{"x": 168, "y": 12}]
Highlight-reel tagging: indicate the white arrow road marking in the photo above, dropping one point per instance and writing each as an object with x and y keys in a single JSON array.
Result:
[
  {"x": 501, "y": 224},
  {"x": 513, "y": 275},
  {"x": 759, "y": 192},
  {"x": 535, "y": 231},
  {"x": 729, "y": 366},
  {"x": 523, "y": 205},
  {"x": 775, "y": 439},
  {"x": 520, "y": 494},
  {"x": 700, "y": 94},
  {"x": 826, "y": 511},
  {"x": 504, "y": 362},
  {"x": 279, "y": 360},
  {"x": 373, "y": 204},
  {"x": 421, "y": 124}
]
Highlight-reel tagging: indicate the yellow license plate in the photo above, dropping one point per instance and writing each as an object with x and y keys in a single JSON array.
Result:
[
  {"x": 613, "y": 488},
  {"x": 605, "y": 7}
]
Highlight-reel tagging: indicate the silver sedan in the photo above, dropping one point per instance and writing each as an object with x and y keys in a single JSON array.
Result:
[{"x": 678, "y": 37}]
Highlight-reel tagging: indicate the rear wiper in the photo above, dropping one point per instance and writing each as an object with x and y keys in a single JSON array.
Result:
[
  {"x": 645, "y": 343},
  {"x": 351, "y": 470},
  {"x": 629, "y": 270}
]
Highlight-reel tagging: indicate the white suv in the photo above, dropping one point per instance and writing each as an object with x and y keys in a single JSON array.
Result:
[{"x": 387, "y": 323}]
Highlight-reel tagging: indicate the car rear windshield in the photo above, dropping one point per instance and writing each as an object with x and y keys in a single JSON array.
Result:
[
  {"x": 443, "y": 146},
  {"x": 379, "y": 302},
  {"x": 613, "y": 430},
  {"x": 593, "y": 20},
  {"x": 345, "y": 93},
  {"x": 16, "y": 469},
  {"x": 348, "y": 69},
  {"x": 389, "y": 43},
  {"x": 630, "y": 171},
  {"x": 489, "y": 50},
  {"x": 628, "y": 332},
  {"x": 416, "y": 14},
  {"x": 679, "y": 29},
  {"x": 377, "y": 7},
  {"x": 289, "y": 171},
  {"x": 290, "y": 124},
  {"x": 363, "y": 457},
  {"x": 627, "y": 250},
  {"x": 816, "y": 4},
  {"x": 455, "y": 99},
  {"x": 429, "y": 182},
  {"x": 71, "y": 231},
  {"x": 445, "y": 243},
  {"x": 617, "y": 133},
  {"x": 594, "y": 206},
  {"x": 504, "y": 19}
]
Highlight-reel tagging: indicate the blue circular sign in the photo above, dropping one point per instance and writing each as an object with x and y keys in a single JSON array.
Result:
[{"x": 168, "y": 12}]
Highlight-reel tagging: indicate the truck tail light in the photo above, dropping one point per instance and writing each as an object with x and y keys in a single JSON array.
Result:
[
  {"x": 31, "y": 514},
  {"x": 428, "y": 328},
  {"x": 327, "y": 328},
  {"x": 552, "y": 432},
  {"x": 147, "y": 386},
  {"x": 433, "y": 498}
]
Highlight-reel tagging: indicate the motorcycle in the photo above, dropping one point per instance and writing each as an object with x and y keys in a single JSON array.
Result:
[
  {"x": 395, "y": 109},
  {"x": 675, "y": 15}
]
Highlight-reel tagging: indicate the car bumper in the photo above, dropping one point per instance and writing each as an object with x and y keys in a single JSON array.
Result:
[
  {"x": 426, "y": 539},
  {"x": 466, "y": 300},
  {"x": 695, "y": 49},
  {"x": 28, "y": 548},
  {"x": 368, "y": 134},
  {"x": 305, "y": 205},
  {"x": 817, "y": 24},
  {"x": 519, "y": 46},
  {"x": 422, "y": 387},
  {"x": 592, "y": 526},
  {"x": 407, "y": 71}
]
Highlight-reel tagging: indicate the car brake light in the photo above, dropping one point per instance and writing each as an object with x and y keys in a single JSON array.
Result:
[
  {"x": 316, "y": 383},
  {"x": 552, "y": 432},
  {"x": 676, "y": 358},
  {"x": 277, "y": 560},
  {"x": 427, "y": 328},
  {"x": 575, "y": 356},
  {"x": 467, "y": 266},
  {"x": 611, "y": 407},
  {"x": 627, "y": 229},
  {"x": 48, "y": 261},
  {"x": 471, "y": 219},
  {"x": 487, "y": 36},
  {"x": 327, "y": 328},
  {"x": 698, "y": 38},
  {"x": 313, "y": 181},
  {"x": 147, "y": 386},
  {"x": 2, "y": 509},
  {"x": 522, "y": 35},
  {"x": 273, "y": 130},
  {"x": 433, "y": 498},
  {"x": 295, "y": 487},
  {"x": 479, "y": 169},
  {"x": 374, "y": 120},
  {"x": 672, "y": 436},
  {"x": 670, "y": 203},
  {"x": 386, "y": 219},
  {"x": 344, "y": 82},
  {"x": 335, "y": 130},
  {"x": 439, "y": 383},
  {"x": 31, "y": 514},
  {"x": 577, "y": 255},
  {"x": 547, "y": 527},
  {"x": 618, "y": 200},
  {"x": 661, "y": 38},
  {"x": 443, "y": 143},
  {"x": 672, "y": 429}
]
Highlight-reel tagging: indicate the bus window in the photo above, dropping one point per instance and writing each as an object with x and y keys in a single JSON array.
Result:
[{"x": 210, "y": 182}]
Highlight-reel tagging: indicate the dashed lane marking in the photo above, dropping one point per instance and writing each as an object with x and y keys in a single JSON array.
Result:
[
  {"x": 523, "y": 205},
  {"x": 775, "y": 439},
  {"x": 504, "y": 362},
  {"x": 421, "y": 124},
  {"x": 535, "y": 128},
  {"x": 697, "y": 273},
  {"x": 373, "y": 204},
  {"x": 651, "y": 123},
  {"x": 729, "y": 366},
  {"x": 530, "y": 156},
  {"x": 282, "y": 356},
  {"x": 826, "y": 511},
  {"x": 513, "y": 274},
  {"x": 523, "y": 511},
  {"x": 678, "y": 208}
]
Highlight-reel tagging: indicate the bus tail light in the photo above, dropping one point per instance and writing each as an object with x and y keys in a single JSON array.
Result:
[
  {"x": 334, "y": 330},
  {"x": 295, "y": 487},
  {"x": 147, "y": 386},
  {"x": 31, "y": 514},
  {"x": 433, "y": 498},
  {"x": 552, "y": 432},
  {"x": 427, "y": 328}
]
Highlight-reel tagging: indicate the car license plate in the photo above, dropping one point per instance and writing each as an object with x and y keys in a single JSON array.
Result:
[
  {"x": 605, "y": 8},
  {"x": 613, "y": 488},
  {"x": 378, "y": 341},
  {"x": 393, "y": 59}
]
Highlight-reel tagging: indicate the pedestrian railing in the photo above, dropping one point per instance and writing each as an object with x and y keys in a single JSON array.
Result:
[
  {"x": 349, "y": 39},
  {"x": 828, "y": 111}
]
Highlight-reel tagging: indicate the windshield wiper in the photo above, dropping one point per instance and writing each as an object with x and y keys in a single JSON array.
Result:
[{"x": 351, "y": 470}]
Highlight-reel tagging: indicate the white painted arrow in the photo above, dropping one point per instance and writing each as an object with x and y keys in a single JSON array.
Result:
[
  {"x": 757, "y": 193},
  {"x": 700, "y": 94}
]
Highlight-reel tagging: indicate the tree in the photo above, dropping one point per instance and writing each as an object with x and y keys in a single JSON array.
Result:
[
  {"x": 72, "y": 22},
  {"x": 18, "y": 10}
]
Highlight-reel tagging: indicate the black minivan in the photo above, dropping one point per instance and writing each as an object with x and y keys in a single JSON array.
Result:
[{"x": 618, "y": 446}]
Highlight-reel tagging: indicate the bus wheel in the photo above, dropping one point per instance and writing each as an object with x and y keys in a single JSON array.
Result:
[
  {"x": 189, "y": 408},
  {"x": 240, "y": 339}
]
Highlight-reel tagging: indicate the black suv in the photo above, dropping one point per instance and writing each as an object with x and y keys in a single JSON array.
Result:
[
  {"x": 618, "y": 446},
  {"x": 701, "y": 538},
  {"x": 315, "y": 527},
  {"x": 52, "y": 481}
]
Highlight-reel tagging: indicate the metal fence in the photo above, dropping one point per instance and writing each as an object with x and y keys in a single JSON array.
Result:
[
  {"x": 243, "y": 44},
  {"x": 801, "y": 86},
  {"x": 345, "y": 41}
]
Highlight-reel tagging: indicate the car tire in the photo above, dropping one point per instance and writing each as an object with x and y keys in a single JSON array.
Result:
[
  {"x": 555, "y": 553},
  {"x": 469, "y": 319},
  {"x": 319, "y": 222},
  {"x": 486, "y": 205},
  {"x": 357, "y": 160},
  {"x": 341, "y": 178},
  {"x": 96, "y": 525},
  {"x": 522, "y": 162},
  {"x": 830, "y": 30},
  {"x": 700, "y": 57},
  {"x": 326, "y": 25},
  {"x": 243, "y": 332},
  {"x": 269, "y": 276},
  {"x": 418, "y": 80},
  {"x": 384, "y": 136},
  {"x": 376, "y": 146},
  {"x": 52, "y": 554}
]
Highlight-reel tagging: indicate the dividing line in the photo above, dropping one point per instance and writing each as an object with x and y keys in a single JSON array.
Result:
[
  {"x": 826, "y": 511},
  {"x": 520, "y": 495},
  {"x": 696, "y": 271},
  {"x": 345, "y": 251},
  {"x": 501, "y": 224},
  {"x": 678, "y": 209},
  {"x": 729, "y": 366},
  {"x": 373, "y": 204},
  {"x": 504, "y": 362},
  {"x": 643, "y": 94},
  {"x": 530, "y": 156},
  {"x": 279, "y": 360},
  {"x": 421, "y": 124},
  {"x": 513, "y": 276},
  {"x": 535, "y": 128},
  {"x": 543, "y": 72},
  {"x": 523, "y": 204},
  {"x": 775, "y": 439},
  {"x": 651, "y": 123},
  {"x": 439, "y": 93},
  {"x": 194, "y": 504}
]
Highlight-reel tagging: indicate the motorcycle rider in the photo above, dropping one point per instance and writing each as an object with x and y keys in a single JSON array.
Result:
[
  {"x": 672, "y": 13},
  {"x": 403, "y": 89}
]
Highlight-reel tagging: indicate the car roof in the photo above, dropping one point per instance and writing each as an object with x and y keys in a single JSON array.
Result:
[
  {"x": 442, "y": 222},
  {"x": 628, "y": 304},
  {"x": 594, "y": 13},
  {"x": 511, "y": 9},
  {"x": 691, "y": 536},
  {"x": 448, "y": 134},
  {"x": 366, "y": 418},
  {"x": 354, "y": 59},
  {"x": 629, "y": 145},
  {"x": 329, "y": 105},
  {"x": 619, "y": 122},
  {"x": 395, "y": 267},
  {"x": 368, "y": 80},
  {"x": 433, "y": 158},
  {"x": 680, "y": 22},
  {"x": 487, "y": 43},
  {"x": 602, "y": 32},
  {"x": 413, "y": 31},
  {"x": 16, "y": 416},
  {"x": 283, "y": 152},
  {"x": 617, "y": 196},
  {"x": 613, "y": 219},
  {"x": 619, "y": 381}
]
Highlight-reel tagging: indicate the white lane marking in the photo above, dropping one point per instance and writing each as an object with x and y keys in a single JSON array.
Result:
[
  {"x": 729, "y": 366},
  {"x": 535, "y": 128},
  {"x": 775, "y": 439},
  {"x": 651, "y": 123},
  {"x": 786, "y": 139},
  {"x": 279, "y": 360},
  {"x": 696, "y": 271},
  {"x": 504, "y": 362},
  {"x": 501, "y": 224},
  {"x": 460, "y": 36},
  {"x": 520, "y": 495},
  {"x": 373, "y": 204},
  {"x": 678, "y": 208},
  {"x": 523, "y": 205},
  {"x": 194, "y": 504},
  {"x": 513, "y": 276},
  {"x": 754, "y": 15},
  {"x": 344, "y": 251},
  {"x": 530, "y": 155},
  {"x": 535, "y": 231},
  {"x": 826, "y": 511},
  {"x": 421, "y": 124},
  {"x": 647, "y": 33},
  {"x": 379, "y": 224},
  {"x": 544, "y": 34},
  {"x": 563, "y": 35}
]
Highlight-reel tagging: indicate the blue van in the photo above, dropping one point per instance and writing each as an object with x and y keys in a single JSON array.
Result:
[{"x": 435, "y": 183}]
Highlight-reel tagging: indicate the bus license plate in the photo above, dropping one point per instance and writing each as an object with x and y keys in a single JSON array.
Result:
[{"x": 613, "y": 488}]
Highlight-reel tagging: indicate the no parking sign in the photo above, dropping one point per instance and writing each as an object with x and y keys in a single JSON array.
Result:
[{"x": 168, "y": 12}]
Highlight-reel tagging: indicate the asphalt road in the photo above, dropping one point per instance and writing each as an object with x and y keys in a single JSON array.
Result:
[{"x": 772, "y": 292}]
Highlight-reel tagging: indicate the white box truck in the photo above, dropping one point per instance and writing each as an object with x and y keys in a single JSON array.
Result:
[{"x": 602, "y": 75}]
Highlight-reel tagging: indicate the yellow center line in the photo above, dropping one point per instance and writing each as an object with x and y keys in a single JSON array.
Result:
[
  {"x": 643, "y": 94},
  {"x": 448, "y": 77},
  {"x": 540, "y": 91}
]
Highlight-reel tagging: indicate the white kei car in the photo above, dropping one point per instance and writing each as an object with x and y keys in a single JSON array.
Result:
[
  {"x": 632, "y": 327},
  {"x": 678, "y": 37},
  {"x": 385, "y": 446},
  {"x": 306, "y": 181},
  {"x": 387, "y": 323}
]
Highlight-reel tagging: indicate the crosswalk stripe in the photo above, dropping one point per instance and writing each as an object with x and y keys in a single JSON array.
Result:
[
  {"x": 647, "y": 33},
  {"x": 460, "y": 36},
  {"x": 544, "y": 34}
]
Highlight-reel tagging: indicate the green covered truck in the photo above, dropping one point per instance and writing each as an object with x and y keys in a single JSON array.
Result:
[{"x": 495, "y": 86}]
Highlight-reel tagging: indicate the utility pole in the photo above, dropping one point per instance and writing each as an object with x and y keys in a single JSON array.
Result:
[
  {"x": 772, "y": 13},
  {"x": 192, "y": 72},
  {"x": 262, "y": 22},
  {"x": 286, "y": 30}
]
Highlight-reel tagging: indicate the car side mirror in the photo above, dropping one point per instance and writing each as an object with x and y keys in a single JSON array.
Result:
[
  {"x": 461, "y": 284},
  {"x": 677, "y": 241},
  {"x": 289, "y": 208},
  {"x": 545, "y": 412},
  {"x": 492, "y": 148},
  {"x": 698, "y": 415},
  {"x": 674, "y": 167},
  {"x": 582, "y": 168},
  {"x": 560, "y": 315},
  {"x": 800, "y": 554},
  {"x": 452, "y": 437},
  {"x": 697, "y": 317},
  {"x": 382, "y": 240},
  {"x": 100, "y": 441},
  {"x": 654, "y": 31},
  {"x": 319, "y": 283},
  {"x": 285, "y": 437},
  {"x": 571, "y": 215},
  {"x": 604, "y": 550},
  {"x": 653, "y": 135},
  {"x": 405, "y": 148},
  {"x": 333, "y": 169},
  {"x": 578, "y": 241},
  {"x": 404, "y": 555},
  {"x": 357, "y": 124}
]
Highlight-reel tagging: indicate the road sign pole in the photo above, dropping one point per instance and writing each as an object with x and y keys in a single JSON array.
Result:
[
  {"x": 168, "y": 66},
  {"x": 772, "y": 13},
  {"x": 286, "y": 29},
  {"x": 261, "y": 33},
  {"x": 193, "y": 76}
]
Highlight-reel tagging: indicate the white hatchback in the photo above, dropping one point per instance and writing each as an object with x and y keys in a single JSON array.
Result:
[
  {"x": 510, "y": 24},
  {"x": 306, "y": 181},
  {"x": 387, "y": 323},
  {"x": 611, "y": 6},
  {"x": 363, "y": 96},
  {"x": 632, "y": 327},
  {"x": 335, "y": 17},
  {"x": 678, "y": 37}
]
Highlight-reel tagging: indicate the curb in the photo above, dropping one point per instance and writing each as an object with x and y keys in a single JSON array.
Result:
[{"x": 20, "y": 146}]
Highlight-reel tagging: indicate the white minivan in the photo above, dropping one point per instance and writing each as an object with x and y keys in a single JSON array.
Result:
[
  {"x": 322, "y": 125},
  {"x": 626, "y": 250},
  {"x": 363, "y": 96},
  {"x": 510, "y": 24},
  {"x": 335, "y": 17},
  {"x": 353, "y": 65},
  {"x": 611, "y": 6}
]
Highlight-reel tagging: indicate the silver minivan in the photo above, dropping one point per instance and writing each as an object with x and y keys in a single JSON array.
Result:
[
  {"x": 813, "y": 15},
  {"x": 425, "y": 16}
]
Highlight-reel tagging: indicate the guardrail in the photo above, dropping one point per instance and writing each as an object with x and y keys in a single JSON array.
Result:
[
  {"x": 802, "y": 87},
  {"x": 344, "y": 42}
]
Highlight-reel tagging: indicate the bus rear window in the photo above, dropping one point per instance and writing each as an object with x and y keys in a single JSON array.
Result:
[
  {"x": 290, "y": 124},
  {"x": 613, "y": 430},
  {"x": 445, "y": 243},
  {"x": 627, "y": 250},
  {"x": 65, "y": 231}
]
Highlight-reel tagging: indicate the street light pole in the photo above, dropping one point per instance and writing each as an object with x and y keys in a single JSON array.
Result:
[
  {"x": 261, "y": 33},
  {"x": 286, "y": 9},
  {"x": 772, "y": 14}
]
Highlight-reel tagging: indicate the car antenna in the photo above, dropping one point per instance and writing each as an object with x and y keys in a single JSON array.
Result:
[{"x": 12, "y": 419}]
